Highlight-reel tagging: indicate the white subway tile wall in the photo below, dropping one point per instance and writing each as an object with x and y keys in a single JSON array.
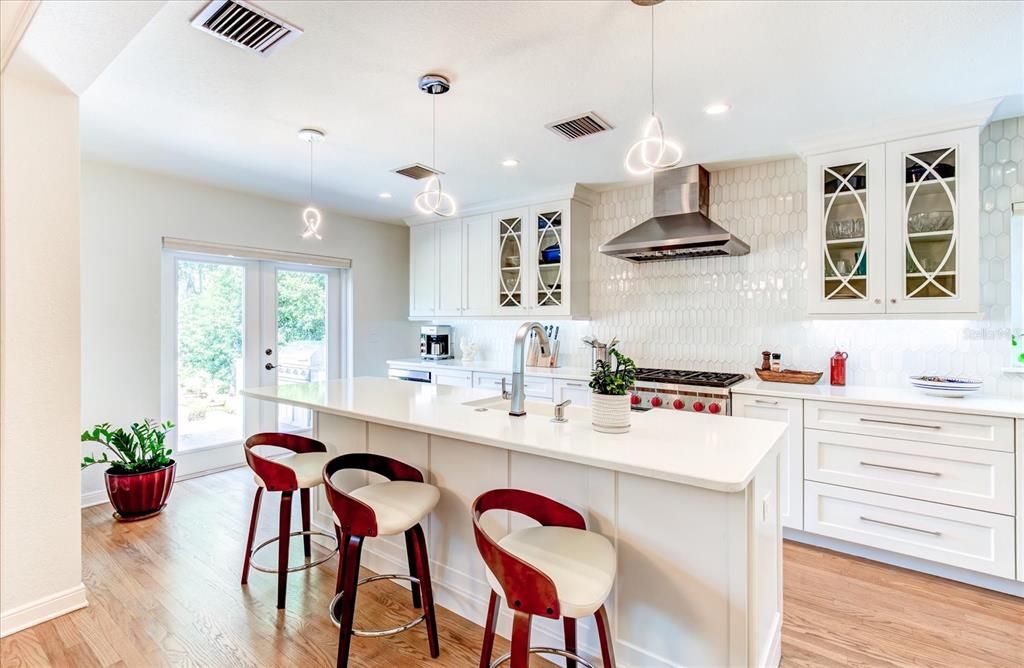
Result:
[{"x": 720, "y": 313}]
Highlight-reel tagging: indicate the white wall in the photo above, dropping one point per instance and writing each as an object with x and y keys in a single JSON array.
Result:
[
  {"x": 125, "y": 212},
  {"x": 720, "y": 313},
  {"x": 40, "y": 525}
]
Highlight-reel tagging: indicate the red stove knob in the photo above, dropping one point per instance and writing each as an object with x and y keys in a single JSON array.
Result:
[
  {"x": 714, "y": 408},
  {"x": 698, "y": 406},
  {"x": 678, "y": 404},
  {"x": 655, "y": 401},
  {"x": 634, "y": 399}
]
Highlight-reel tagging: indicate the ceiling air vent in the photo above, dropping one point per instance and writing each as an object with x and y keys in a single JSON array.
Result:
[
  {"x": 417, "y": 171},
  {"x": 575, "y": 127},
  {"x": 246, "y": 26}
]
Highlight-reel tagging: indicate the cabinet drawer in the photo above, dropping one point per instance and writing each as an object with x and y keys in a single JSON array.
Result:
[
  {"x": 456, "y": 378},
  {"x": 536, "y": 387},
  {"x": 968, "y": 477},
  {"x": 971, "y": 431},
  {"x": 969, "y": 539}
]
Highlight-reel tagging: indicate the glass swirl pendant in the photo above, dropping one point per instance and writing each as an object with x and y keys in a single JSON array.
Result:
[
  {"x": 653, "y": 152},
  {"x": 434, "y": 200},
  {"x": 311, "y": 217}
]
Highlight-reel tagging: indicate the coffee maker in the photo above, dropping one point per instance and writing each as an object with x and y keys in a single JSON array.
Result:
[{"x": 436, "y": 342}]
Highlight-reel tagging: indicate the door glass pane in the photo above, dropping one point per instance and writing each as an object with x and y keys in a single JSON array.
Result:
[
  {"x": 549, "y": 258},
  {"x": 510, "y": 262},
  {"x": 930, "y": 224},
  {"x": 209, "y": 331},
  {"x": 301, "y": 338},
  {"x": 845, "y": 221}
]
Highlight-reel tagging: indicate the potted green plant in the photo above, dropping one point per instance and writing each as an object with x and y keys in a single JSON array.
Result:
[
  {"x": 141, "y": 471},
  {"x": 611, "y": 380}
]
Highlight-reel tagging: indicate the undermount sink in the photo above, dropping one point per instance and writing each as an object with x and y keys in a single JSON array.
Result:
[{"x": 543, "y": 408}]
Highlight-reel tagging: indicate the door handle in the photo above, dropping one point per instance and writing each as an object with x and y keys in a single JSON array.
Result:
[{"x": 268, "y": 366}]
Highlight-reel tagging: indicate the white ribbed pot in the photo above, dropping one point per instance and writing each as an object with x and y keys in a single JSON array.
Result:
[{"x": 610, "y": 413}]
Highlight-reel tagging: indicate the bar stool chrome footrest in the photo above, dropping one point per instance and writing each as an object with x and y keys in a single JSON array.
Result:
[
  {"x": 382, "y": 633},
  {"x": 565, "y": 654},
  {"x": 306, "y": 566}
]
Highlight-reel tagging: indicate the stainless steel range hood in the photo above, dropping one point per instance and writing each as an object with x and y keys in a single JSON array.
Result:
[{"x": 680, "y": 228}]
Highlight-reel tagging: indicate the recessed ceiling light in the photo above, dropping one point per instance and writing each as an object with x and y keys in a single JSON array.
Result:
[
  {"x": 715, "y": 109},
  {"x": 510, "y": 162},
  {"x": 384, "y": 195}
]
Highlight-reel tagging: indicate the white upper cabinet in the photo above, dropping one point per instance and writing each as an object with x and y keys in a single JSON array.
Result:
[
  {"x": 932, "y": 208},
  {"x": 530, "y": 260},
  {"x": 450, "y": 259},
  {"x": 893, "y": 228},
  {"x": 423, "y": 270},
  {"x": 476, "y": 265}
]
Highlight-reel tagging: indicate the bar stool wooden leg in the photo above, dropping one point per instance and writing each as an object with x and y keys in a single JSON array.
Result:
[
  {"x": 426, "y": 590},
  {"x": 569, "y": 624},
  {"x": 282, "y": 548},
  {"x": 342, "y": 542},
  {"x": 490, "y": 624},
  {"x": 605, "y": 633},
  {"x": 252, "y": 534},
  {"x": 410, "y": 550},
  {"x": 350, "y": 585},
  {"x": 306, "y": 538},
  {"x": 521, "y": 639}
]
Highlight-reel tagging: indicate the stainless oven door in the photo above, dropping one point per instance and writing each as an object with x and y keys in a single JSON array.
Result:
[{"x": 414, "y": 375}]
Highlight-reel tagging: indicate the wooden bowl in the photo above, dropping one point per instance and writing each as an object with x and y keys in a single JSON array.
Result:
[{"x": 789, "y": 376}]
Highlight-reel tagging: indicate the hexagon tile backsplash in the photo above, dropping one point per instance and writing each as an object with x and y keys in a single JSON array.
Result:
[{"x": 720, "y": 313}]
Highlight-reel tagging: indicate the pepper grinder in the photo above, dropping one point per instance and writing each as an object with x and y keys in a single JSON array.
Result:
[{"x": 766, "y": 364}]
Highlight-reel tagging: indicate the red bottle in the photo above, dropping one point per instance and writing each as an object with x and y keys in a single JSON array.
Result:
[{"x": 837, "y": 368}]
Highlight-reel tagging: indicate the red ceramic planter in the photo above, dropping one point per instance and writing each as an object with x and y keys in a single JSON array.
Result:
[{"x": 136, "y": 496}]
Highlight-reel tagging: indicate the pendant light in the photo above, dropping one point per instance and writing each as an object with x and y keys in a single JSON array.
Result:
[
  {"x": 311, "y": 215},
  {"x": 653, "y": 152},
  {"x": 433, "y": 199}
]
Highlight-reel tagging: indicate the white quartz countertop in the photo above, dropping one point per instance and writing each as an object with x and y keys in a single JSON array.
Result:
[
  {"x": 712, "y": 451},
  {"x": 909, "y": 397},
  {"x": 481, "y": 366}
]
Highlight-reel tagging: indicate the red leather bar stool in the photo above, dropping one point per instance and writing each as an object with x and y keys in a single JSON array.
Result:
[
  {"x": 380, "y": 509},
  {"x": 557, "y": 569},
  {"x": 299, "y": 471}
]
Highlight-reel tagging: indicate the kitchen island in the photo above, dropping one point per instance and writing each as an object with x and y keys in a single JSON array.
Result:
[{"x": 690, "y": 502}]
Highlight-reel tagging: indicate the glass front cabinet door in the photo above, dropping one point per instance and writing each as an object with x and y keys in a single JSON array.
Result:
[
  {"x": 550, "y": 252},
  {"x": 846, "y": 231},
  {"x": 932, "y": 210},
  {"x": 509, "y": 286}
]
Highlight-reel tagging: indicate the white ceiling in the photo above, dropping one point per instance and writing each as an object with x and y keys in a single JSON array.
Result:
[{"x": 180, "y": 101}]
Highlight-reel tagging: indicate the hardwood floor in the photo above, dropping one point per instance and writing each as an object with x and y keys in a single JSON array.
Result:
[{"x": 165, "y": 592}]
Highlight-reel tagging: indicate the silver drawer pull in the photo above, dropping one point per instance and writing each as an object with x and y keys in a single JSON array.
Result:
[
  {"x": 765, "y": 401},
  {"x": 900, "y": 526},
  {"x": 900, "y": 468},
  {"x": 574, "y": 384},
  {"x": 902, "y": 424}
]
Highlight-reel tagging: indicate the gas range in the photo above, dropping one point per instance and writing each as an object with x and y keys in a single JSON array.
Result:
[{"x": 696, "y": 391}]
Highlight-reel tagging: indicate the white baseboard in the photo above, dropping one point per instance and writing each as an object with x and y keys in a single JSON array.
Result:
[
  {"x": 41, "y": 610},
  {"x": 983, "y": 580},
  {"x": 94, "y": 498}
]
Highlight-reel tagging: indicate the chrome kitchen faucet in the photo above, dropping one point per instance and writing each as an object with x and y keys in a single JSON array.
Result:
[{"x": 518, "y": 406}]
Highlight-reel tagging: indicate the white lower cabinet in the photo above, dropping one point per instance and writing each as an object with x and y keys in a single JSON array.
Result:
[
  {"x": 1020, "y": 500},
  {"x": 577, "y": 391},
  {"x": 791, "y": 482},
  {"x": 970, "y": 539}
]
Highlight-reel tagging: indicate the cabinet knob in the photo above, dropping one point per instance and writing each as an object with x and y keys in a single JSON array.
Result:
[
  {"x": 878, "y": 301},
  {"x": 892, "y": 300}
]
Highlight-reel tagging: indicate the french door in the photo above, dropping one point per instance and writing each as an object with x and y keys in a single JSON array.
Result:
[{"x": 233, "y": 323}]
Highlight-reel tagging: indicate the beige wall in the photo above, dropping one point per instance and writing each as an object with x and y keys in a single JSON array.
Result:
[
  {"x": 40, "y": 525},
  {"x": 125, "y": 212}
]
